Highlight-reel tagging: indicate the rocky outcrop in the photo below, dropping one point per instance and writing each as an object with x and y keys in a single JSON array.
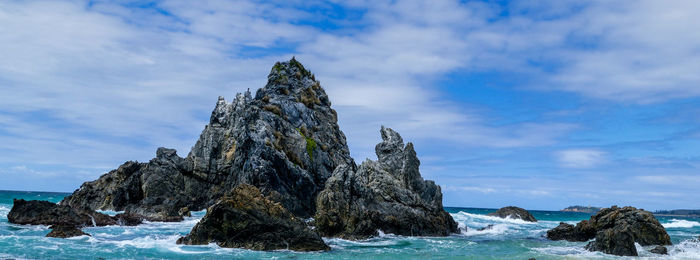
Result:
[
  {"x": 615, "y": 231},
  {"x": 579, "y": 233},
  {"x": 514, "y": 213},
  {"x": 285, "y": 141},
  {"x": 61, "y": 231},
  {"x": 36, "y": 212},
  {"x": 246, "y": 219},
  {"x": 388, "y": 195}
]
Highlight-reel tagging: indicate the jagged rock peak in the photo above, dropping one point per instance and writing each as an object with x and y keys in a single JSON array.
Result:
[
  {"x": 390, "y": 151},
  {"x": 290, "y": 81},
  {"x": 285, "y": 141},
  {"x": 389, "y": 195}
]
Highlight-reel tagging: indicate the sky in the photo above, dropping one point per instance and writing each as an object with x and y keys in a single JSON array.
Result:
[{"x": 540, "y": 104}]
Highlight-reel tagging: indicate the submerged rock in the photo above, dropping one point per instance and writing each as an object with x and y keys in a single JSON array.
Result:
[
  {"x": 285, "y": 141},
  {"x": 62, "y": 231},
  {"x": 387, "y": 195},
  {"x": 661, "y": 250},
  {"x": 615, "y": 231},
  {"x": 515, "y": 213},
  {"x": 37, "y": 212},
  {"x": 247, "y": 219},
  {"x": 490, "y": 226}
]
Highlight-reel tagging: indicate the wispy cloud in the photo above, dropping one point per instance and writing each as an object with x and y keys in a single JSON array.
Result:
[
  {"x": 87, "y": 85},
  {"x": 581, "y": 158}
]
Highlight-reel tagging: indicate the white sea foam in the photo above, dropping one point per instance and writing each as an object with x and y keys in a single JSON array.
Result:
[
  {"x": 54, "y": 247},
  {"x": 497, "y": 229},
  {"x": 467, "y": 217},
  {"x": 145, "y": 242},
  {"x": 3, "y": 212},
  {"x": 572, "y": 250},
  {"x": 688, "y": 249},
  {"x": 681, "y": 223},
  {"x": 109, "y": 212}
]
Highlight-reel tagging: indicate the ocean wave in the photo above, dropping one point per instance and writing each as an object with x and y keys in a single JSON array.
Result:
[
  {"x": 681, "y": 223},
  {"x": 495, "y": 230},
  {"x": 466, "y": 217},
  {"x": 470, "y": 224}
]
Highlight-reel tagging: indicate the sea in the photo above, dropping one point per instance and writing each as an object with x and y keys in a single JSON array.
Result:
[{"x": 507, "y": 239}]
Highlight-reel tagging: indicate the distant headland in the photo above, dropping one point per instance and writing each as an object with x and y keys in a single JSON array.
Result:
[
  {"x": 678, "y": 213},
  {"x": 583, "y": 209}
]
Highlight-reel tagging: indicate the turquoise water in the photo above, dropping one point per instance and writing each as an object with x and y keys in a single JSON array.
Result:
[{"x": 508, "y": 239}]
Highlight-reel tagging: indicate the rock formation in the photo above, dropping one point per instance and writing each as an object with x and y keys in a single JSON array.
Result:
[
  {"x": 615, "y": 231},
  {"x": 580, "y": 233},
  {"x": 61, "y": 231},
  {"x": 661, "y": 250},
  {"x": 515, "y": 213},
  {"x": 246, "y": 219},
  {"x": 285, "y": 141},
  {"x": 287, "y": 159},
  {"x": 388, "y": 195},
  {"x": 37, "y": 212}
]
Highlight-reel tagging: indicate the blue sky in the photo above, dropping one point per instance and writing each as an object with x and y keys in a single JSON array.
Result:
[{"x": 540, "y": 104}]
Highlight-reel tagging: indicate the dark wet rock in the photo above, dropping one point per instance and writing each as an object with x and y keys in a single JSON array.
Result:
[
  {"x": 247, "y": 219},
  {"x": 515, "y": 213},
  {"x": 129, "y": 219},
  {"x": 61, "y": 231},
  {"x": 661, "y": 250},
  {"x": 388, "y": 195},
  {"x": 490, "y": 226},
  {"x": 580, "y": 233},
  {"x": 615, "y": 231},
  {"x": 618, "y": 240},
  {"x": 37, "y": 212},
  {"x": 285, "y": 141}
]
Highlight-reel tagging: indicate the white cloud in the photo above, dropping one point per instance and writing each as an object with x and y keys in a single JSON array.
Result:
[
  {"x": 581, "y": 158},
  {"x": 93, "y": 86},
  {"x": 122, "y": 81}
]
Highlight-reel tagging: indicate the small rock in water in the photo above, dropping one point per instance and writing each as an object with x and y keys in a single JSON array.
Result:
[
  {"x": 662, "y": 250},
  {"x": 37, "y": 212},
  {"x": 615, "y": 231},
  {"x": 62, "y": 231},
  {"x": 490, "y": 226},
  {"x": 128, "y": 219},
  {"x": 514, "y": 212}
]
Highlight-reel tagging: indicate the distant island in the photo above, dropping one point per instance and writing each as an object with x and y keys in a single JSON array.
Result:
[
  {"x": 583, "y": 209},
  {"x": 678, "y": 213}
]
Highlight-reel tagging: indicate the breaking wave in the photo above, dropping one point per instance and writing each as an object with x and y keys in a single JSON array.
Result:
[{"x": 681, "y": 223}]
